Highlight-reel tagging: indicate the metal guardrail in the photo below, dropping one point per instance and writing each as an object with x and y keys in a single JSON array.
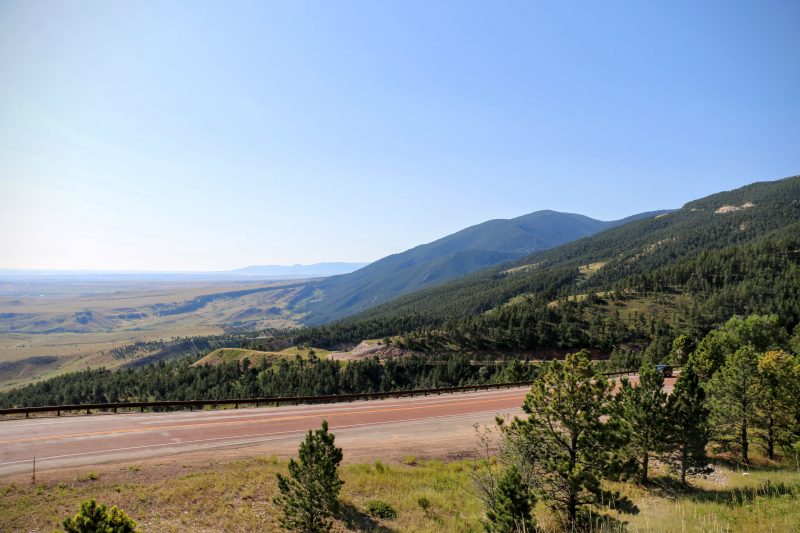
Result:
[{"x": 277, "y": 400}]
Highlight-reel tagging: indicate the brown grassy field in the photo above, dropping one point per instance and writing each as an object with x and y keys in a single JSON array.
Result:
[
  {"x": 429, "y": 496},
  {"x": 47, "y": 328}
]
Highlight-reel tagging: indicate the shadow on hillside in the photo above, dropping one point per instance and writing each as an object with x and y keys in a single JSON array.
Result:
[
  {"x": 739, "y": 496},
  {"x": 593, "y": 521},
  {"x": 756, "y": 465},
  {"x": 359, "y": 521},
  {"x": 670, "y": 487}
]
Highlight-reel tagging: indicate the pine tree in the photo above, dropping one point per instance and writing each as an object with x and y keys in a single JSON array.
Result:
[
  {"x": 778, "y": 402},
  {"x": 309, "y": 496},
  {"x": 642, "y": 411},
  {"x": 732, "y": 398},
  {"x": 564, "y": 441},
  {"x": 97, "y": 518},
  {"x": 688, "y": 421},
  {"x": 511, "y": 512}
]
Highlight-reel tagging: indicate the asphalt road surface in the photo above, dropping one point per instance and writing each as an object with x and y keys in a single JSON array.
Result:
[
  {"x": 63, "y": 442},
  {"x": 437, "y": 426}
]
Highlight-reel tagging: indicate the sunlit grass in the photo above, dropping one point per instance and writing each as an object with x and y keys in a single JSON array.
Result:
[{"x": 427, "y": 495}]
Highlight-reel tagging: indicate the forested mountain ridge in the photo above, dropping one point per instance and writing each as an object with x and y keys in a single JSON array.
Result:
[
  {"x": 471, "y": 249},
  {"x": 668, "y": 255},
  {"x": 650, "y": 290}
]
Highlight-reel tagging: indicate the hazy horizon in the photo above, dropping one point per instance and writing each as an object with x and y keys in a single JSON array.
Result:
[{"x": 196, "y": 136}]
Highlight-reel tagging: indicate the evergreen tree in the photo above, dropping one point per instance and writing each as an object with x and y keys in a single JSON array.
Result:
[
  {"x": 732, "y": 397},
  {"x": 778, "y": 402},
  {"x": 682, "y": 346},
  {"x": 688, "y": 421},
  {"x": 565, "y": 442},
  {"x": 512, "y": 510},
  {"x": 642, "y": 411},
  {"x": 309, "y": 496},
  {"x": 756, "y": 331},
  {"x": 794, "y": 342},
  {"x": 97, "y": 518}
]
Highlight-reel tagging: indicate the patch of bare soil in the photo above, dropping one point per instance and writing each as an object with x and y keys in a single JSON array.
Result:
[{"x": 367, "y": 350}]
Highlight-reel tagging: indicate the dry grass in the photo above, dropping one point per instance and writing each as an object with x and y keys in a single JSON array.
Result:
[
  {"x": 224, "y": 355},
  {"x": 237, "y": 496},
  {"x": 428, "y": 496},
  {"x": 41, "y": 319},
  {"x": 591, "y": 268}
]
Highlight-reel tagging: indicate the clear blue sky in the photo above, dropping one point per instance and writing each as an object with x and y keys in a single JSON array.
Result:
[{"x": 210, "y": 135}]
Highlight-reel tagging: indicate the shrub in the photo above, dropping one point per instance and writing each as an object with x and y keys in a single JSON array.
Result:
[
  {"x": 97, "y": 518},
  {"x": 424, "y": 503},
  {"x": 380, "y": 509},
  {"x": 308, "y": 496}
]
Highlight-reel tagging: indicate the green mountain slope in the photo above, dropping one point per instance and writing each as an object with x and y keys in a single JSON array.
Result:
[
  {"x": 469, "y": 250},
  {"x": 688, "y": 261}
]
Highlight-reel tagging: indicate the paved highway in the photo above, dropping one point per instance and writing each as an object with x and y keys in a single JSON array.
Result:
[
  {"x": 86, "y": 440},
  {"x": 423, "y": 425}
]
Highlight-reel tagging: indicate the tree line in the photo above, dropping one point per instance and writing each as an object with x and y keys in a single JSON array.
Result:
[{"x": 183, "y": 380}]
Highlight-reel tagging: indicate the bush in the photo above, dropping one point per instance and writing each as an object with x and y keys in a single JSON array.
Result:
[
  {"x": 309, "y": 495},
  {"x": 380, "y": 509},
  {"x": 424, "y": 503},
  {"x": 97, "y": 518}
]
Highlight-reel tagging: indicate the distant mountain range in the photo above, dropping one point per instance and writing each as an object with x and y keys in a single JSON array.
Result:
[
  {"x": 317, "y": 270},
  {"x": 463, "y": 252}
]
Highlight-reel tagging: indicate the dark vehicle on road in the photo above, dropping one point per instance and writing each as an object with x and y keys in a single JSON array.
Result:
[{"x": 665, "y": 370}]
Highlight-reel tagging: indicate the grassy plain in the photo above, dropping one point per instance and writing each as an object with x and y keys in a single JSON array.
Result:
[
  {"x": 428, "y": 496},
  {"x": 47, "y": 327}
]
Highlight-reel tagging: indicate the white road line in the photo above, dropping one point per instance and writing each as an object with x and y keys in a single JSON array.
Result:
[{"x": 285, "y": 433}]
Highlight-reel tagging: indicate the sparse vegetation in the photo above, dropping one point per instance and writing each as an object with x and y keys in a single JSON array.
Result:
[{"x": 429, "y": 497}]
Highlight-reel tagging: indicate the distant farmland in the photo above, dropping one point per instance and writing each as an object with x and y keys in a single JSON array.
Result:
[{"x": 49, "y": 327}]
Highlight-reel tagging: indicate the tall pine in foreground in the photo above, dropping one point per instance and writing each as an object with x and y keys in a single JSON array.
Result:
[
  {"x": 733, "y": 395},
  {"x": 566, "y": 441},
  {"x": 642, "y": 411},
  {"x": 309, "y": 496},
  {"x": 688, "y": 421},
  {"x": 512, "y": 510},
  {"x": 779, "y": 399}
]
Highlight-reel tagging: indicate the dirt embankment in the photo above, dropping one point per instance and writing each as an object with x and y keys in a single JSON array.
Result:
[{"x": 367, "y": 350}]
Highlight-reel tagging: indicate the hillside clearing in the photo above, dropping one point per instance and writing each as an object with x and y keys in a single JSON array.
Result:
[{"x": 225, "y": 355}]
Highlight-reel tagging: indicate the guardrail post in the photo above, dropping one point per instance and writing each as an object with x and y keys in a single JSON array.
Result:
[
  {"x": 27, "y": 413},
  {"x": 58, "y": 412},
  {"x": 87, "y": 411}
]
